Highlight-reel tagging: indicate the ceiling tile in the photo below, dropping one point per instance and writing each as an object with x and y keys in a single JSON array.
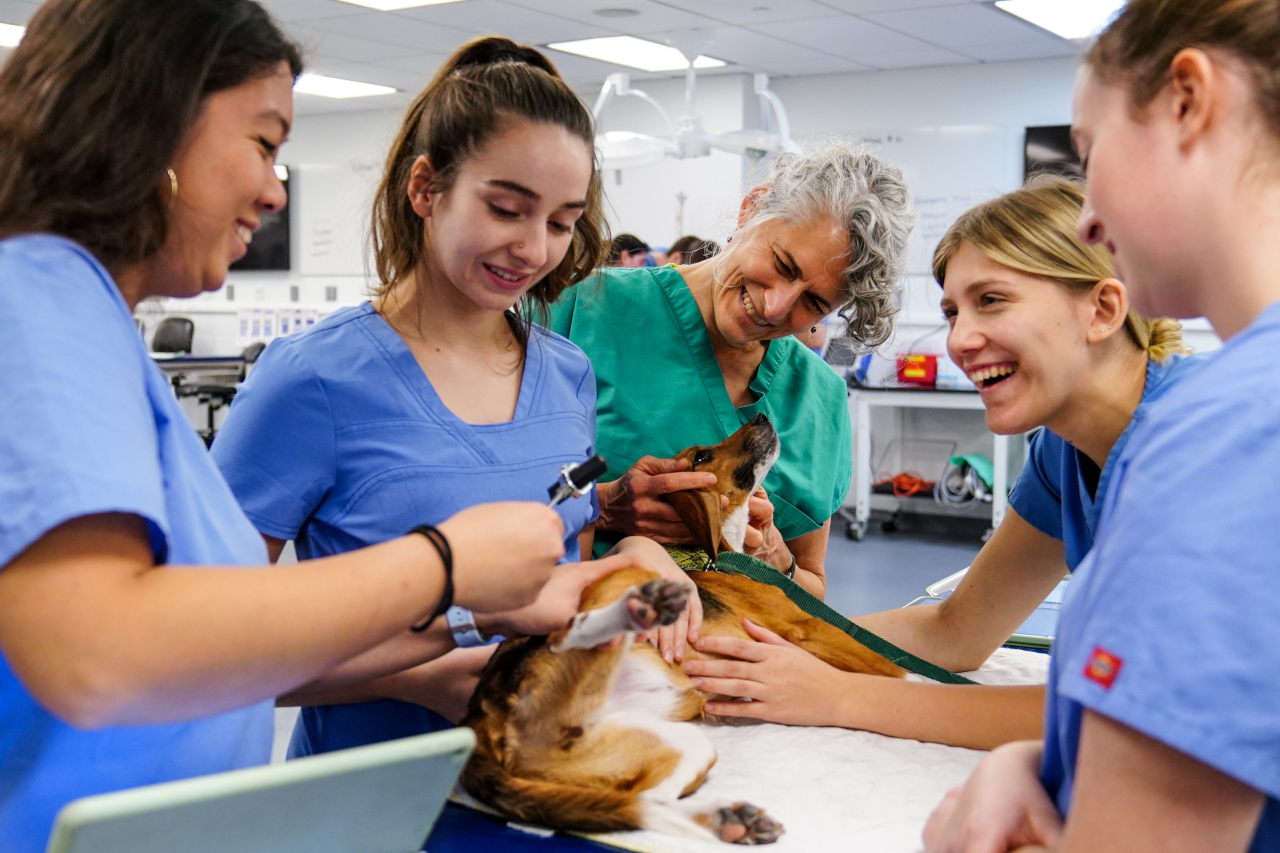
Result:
[
  {"x": 758, "y": 51},
  {"x": 820, "y": 64},
  {"x": 1013, "y": 52},
  {"x": 306, "y": 10},
  {"x": 653, "y": 16},
  {"x": 491, "y": 17},
  {"x": 857, "y": 7},
  {"x": 973, "y": 30},
  {"x": 395, "y": 29},
  {"x": 581, "y": 70},
  {"x": 845, "y": 36},
  {"x": 746, "y": 12},
  {"x": 318, "y": 44},
  {"x": 913, "y": 59},
  {"x": 17, "y": 13},
  {"x": 377, "y": 73},
  {"x": 423, "y": 66}
]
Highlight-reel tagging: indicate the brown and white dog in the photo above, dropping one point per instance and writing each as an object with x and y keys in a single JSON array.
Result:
[{"x": 577, "y": 737}]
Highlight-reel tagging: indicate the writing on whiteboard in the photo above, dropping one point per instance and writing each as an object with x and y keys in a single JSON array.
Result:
[{"x": 949, "y": 170}]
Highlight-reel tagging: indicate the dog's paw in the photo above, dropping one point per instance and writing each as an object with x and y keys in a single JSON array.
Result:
[
  {"x": 657, "y": 602},
  {"x": 743, "y": 823}
]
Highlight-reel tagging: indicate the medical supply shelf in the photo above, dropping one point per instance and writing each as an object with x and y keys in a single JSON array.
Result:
[{"x": 860, "y": 402}]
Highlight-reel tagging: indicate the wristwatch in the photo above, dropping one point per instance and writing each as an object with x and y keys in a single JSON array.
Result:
[{"x": 462, "y": 624}]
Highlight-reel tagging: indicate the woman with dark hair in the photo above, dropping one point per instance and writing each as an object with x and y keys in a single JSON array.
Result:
[
  {"x": 437, "y": 395},
  {"x": 627, "y": 250},
  {"x": 138, "y": 140},
  {"x": 691, "y": 250}
]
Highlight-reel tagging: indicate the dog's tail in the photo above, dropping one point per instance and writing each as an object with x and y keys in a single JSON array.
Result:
[{"x": 577, "y": 808}]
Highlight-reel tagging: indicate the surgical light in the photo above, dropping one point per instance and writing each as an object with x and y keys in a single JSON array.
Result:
[
  {"x": 1071, "y": 19},
  {"x": 634, "y": 53}
]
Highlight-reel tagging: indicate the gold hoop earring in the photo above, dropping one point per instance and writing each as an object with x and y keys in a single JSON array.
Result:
[{"x": 173, "y": 186}]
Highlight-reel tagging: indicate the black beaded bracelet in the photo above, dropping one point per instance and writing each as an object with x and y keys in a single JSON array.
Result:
[{"x": 441, "y": 544}]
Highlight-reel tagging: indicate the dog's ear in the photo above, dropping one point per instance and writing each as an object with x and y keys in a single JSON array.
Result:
[{"x": 699, "y": 509}]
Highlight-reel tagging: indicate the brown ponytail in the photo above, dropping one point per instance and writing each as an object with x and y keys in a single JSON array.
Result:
[{"x": 483, "y": 84}]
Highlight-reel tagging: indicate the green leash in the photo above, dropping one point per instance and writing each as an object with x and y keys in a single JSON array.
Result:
[{"x": 733, "y": 563}]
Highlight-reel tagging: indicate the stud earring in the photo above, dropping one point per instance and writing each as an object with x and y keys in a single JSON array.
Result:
[
  {"x": 173, "y": 186},
  {"x": 812, "y": 330}
]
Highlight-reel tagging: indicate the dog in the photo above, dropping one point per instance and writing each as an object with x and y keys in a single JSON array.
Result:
[{"x": 579, "y": 737}]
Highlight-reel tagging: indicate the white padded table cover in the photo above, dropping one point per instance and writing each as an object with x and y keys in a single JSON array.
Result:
[{"x": 834, "y": 789}]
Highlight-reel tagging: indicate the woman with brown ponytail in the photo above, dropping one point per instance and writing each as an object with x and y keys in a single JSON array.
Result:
[
  {"x": 1043, "y": 327},
  {"x": 436, "y": 395}
]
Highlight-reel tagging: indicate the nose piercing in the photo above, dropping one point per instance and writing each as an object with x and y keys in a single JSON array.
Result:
[{"x": 521, "y": 246}]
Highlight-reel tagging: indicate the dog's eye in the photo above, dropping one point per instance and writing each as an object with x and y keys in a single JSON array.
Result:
[{"x": 702, "y": 457}]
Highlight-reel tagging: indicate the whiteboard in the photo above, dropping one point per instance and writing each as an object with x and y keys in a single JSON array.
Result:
[
  {"x": 337, "y": 199},
  {"x": 949, "y": 170}
]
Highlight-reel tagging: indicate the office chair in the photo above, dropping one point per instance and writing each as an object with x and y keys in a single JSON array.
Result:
[{"x": 173, "y": 335}]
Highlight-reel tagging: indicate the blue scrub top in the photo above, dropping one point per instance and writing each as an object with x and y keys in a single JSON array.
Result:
[
  {"x": 338, "y": 441},
  {"x": 88, "y": 425},
  {"x": 1171, "y": 625},
  {"x": 1051, "y": 493}
]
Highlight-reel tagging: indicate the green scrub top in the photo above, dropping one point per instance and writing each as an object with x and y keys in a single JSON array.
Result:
[{"x": 660, "y": 390}]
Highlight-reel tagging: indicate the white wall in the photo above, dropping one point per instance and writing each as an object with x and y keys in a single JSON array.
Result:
[{"x": 1008, "y": 95}]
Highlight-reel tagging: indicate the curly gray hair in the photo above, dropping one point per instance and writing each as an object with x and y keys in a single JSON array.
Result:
[{"x": 870, "y": 197}]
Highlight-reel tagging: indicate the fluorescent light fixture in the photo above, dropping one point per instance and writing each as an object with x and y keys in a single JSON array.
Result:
[
  {"x": 334, "y": 87},
  {"x": 634, "y": 53},
  {"x": 10, "y": 35},
  {"x": 1071, "y": 19},
  {"x": 392, "y": 5},
  {"x": 282, "y": 172}
]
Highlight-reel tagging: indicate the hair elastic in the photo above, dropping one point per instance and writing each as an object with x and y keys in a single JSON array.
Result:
[{"x": 441, "y": 544}]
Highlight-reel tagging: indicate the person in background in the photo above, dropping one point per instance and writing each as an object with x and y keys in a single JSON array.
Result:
[
  {"x": 142, "y": 637},
  {"x": 713, "y": 347},
  {"x": 1042, "y": 325},
  {"x": 436, "y": 395},
  {"x": 690, "y": 250},
  {"x": 628, "y": 250},
  {"x": 1161, "y": 731}
]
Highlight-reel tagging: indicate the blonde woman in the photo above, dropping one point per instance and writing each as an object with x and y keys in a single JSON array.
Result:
[{"x": 1040, "y": 323}]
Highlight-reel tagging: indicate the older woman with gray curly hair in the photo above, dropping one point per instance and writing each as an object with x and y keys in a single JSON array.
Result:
[{"x": 685, "y": 355}]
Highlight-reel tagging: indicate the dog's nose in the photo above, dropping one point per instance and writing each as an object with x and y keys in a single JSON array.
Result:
[{"x": 760, "y": 420}]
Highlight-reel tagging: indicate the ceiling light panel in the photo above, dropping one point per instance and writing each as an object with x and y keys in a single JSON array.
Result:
[
  {"x": 634, "y": 53},
  {"x": 392, "y": 5},
  {"x": 10, "y": 35},
  {"x": 1071, "y": 19},
  {"x": 334, "y": 87}
]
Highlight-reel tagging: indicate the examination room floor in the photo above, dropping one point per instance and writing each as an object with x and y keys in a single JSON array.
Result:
[{"x": 883, "y": 571}]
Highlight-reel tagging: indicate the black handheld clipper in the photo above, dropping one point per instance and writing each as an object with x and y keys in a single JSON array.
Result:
[{"x": 575, "y": 480}]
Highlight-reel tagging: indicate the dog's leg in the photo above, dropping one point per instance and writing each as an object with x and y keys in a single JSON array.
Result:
[
  {"x": 639, "y": 608},
  {"x": 733, "y": 822}
]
